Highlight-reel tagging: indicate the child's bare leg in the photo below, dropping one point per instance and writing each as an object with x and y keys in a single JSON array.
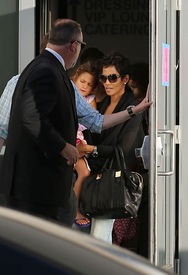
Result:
[{"x": 83, "y": 173}]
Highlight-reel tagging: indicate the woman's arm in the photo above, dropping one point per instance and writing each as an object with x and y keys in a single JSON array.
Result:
[
  {"x": 120, "y": 117},
  {"x": 99, "y": 150},
  {"x": 96, "y": 122}
]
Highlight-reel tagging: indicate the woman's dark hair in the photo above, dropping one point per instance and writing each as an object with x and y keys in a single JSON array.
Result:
[
  {"x": 116, "y": 59},
  {"x": 139, "y": 73},
  {"x": 90, "y": 54}
]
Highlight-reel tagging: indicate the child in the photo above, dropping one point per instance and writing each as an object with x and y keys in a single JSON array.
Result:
[{"x": 86, "y": 80}]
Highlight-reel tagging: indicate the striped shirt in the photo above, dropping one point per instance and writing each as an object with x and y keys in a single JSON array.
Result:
[{"x": 87, "y": 116}]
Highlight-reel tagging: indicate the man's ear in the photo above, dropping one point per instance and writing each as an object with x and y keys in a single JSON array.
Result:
[
  {"x": 126, "y": 78},
  {"x": 73, "y": 46}
]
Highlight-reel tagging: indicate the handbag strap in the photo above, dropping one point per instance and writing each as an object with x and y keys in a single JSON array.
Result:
[
  {"x": 119, "y": 157},
  {"x": 122, "y": 158}
]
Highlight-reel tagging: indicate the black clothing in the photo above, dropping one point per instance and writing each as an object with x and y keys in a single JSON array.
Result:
[
  {"x": 43, "y": 118},
  {"x": 129, "y": 135}
]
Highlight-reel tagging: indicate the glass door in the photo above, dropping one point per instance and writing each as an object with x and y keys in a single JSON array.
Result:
[{"x": 162, "y": 125}]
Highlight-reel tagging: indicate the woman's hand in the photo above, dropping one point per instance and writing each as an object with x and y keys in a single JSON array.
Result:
[
  {"x": 83, "y": 148},
  {"x": 144, "y": 105}
]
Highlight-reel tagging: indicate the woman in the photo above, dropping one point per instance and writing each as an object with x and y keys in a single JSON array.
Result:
[{"x": 129, "y": 135}]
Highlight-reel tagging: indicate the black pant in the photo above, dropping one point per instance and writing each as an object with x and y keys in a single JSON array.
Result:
[
  {"x": 143, "y": 242},
  {"x": 66, "y": 215}
]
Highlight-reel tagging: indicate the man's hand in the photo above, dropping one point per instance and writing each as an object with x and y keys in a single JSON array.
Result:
[{"x": 70, "y": 153}]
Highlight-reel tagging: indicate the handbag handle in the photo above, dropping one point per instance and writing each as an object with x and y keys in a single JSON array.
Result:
[
  {"x": 119, "y": 155},
  {"x": 109, "y": 161},
  {"x": 122, "y": 157}
]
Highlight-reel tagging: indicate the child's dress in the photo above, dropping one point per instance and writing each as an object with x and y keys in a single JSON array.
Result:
[{"x": 81, "y": 127}]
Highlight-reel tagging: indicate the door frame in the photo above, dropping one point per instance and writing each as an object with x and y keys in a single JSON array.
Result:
[{"x": 162, "y": 184}]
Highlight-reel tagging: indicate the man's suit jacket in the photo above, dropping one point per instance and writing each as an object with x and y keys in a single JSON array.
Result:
[{"x": 43, "y": 118}]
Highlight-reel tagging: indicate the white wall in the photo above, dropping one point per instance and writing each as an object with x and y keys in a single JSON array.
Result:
[
  {"x": 26, "y": 33},
  {"x": 9, "y": 41}
]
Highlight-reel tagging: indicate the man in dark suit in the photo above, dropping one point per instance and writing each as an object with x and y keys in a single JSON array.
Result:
[{"x": 36, "y": 174}]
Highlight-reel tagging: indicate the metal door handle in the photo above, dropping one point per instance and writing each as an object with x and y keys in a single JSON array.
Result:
[
  {"x": 171, "y": 172},
  {"x": 144, "y": 151}
]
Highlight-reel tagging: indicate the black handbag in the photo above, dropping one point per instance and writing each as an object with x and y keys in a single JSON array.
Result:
[{"x": 113, "y": 192}]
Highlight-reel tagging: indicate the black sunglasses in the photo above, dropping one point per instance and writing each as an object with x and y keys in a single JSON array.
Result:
[
  {"x": 112, "y": 78},
  {"x": 83, "y": 44}
]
